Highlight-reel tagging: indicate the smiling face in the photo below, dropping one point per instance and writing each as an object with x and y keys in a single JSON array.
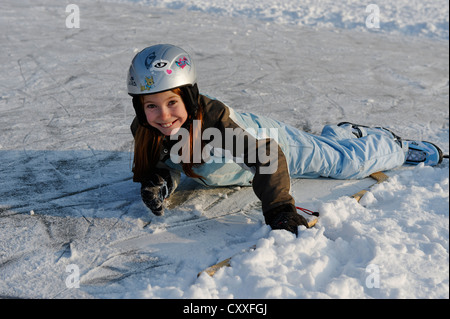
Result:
[{"x": 165, "y": 111}]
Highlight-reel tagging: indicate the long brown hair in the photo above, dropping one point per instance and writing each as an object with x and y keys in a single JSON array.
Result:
[{"x": 148, "y": 146}]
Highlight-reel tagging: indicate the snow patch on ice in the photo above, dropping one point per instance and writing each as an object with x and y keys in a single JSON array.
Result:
[
  {"x": 403, "y": 228},
  {"x": 414, "y": 18}
]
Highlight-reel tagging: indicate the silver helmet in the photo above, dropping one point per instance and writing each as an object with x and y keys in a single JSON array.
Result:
[{"x": 160, "y": 68}]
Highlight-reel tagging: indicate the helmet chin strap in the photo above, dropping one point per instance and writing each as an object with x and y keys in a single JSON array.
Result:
[
  {"x": 191, "y": 92},
  {"x": 140, "y": 114}
]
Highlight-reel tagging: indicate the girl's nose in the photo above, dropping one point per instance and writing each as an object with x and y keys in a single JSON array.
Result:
[{"x": 164, "y": 113}]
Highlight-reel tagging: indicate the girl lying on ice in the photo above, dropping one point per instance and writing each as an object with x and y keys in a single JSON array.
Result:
[{"x": 176, "y": 130}]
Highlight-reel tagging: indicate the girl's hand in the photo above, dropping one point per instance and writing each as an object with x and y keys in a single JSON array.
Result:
[
  {"x": 285, "y": 217},
  {"x": 153, "y": 193}
]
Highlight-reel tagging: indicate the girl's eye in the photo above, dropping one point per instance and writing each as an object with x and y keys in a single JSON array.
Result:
[
  {"x": 173, "y": 102},
  {"x": 150, "y": 106}
]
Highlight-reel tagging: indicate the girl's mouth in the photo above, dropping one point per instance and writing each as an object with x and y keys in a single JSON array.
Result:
[{"x": 167, "y": 125}]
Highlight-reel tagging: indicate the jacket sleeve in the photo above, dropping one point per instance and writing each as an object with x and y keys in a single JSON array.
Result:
[{"x": 264, "y": 157}]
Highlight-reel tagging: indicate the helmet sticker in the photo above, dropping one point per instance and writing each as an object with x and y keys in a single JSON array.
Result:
[
  {"x": 149, "y": 82},
  {"x": 131, "y": 81},
  {"x": 182, "y": 62},
  {"x": 149, "y": 60},
  {"x": 161, "y": 65}
]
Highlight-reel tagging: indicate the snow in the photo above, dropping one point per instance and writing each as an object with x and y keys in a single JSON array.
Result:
[
  {"x": 417, "y": 18},
  {"x": 72, "y": 224}
]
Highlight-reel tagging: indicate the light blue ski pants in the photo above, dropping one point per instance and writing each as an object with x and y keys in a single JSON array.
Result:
[{"x": 338, "y": 153}]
